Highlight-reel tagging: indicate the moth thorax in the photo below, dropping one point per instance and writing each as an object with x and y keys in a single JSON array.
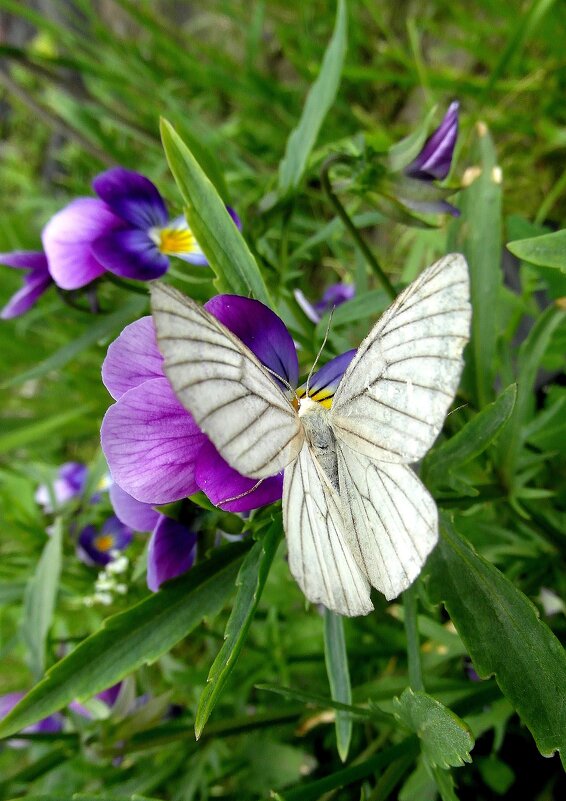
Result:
[{"x": 307, "y": 406}]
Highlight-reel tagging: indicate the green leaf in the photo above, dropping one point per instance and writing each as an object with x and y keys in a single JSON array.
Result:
[
  {"x": 402, "y": 153},
  {"x": 39, "y": 600},
  {"x": 35, "y": 432},
  {"x": 477, "y": 234},
  {"x": 446, "y": 741},
  {"x": 531, "y": 353},
  {"x": 548, "y": 250},
  {"x": 222, "y": 243},
  {"x": 251, "y": 581},
  {"x": 336, "y": 659},
  {"x": 500, "y": 628},
  {"x": 320, "y": 98},
  {"x": 471, "y": 440},
  {"x": 132, "y": 638},
  {"x": 100, "y": 329}
]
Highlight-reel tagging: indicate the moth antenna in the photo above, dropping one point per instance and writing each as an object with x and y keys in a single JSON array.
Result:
[
  {"x": 321, "y": 348},
  {"x": 280, "y": 378},
  {"x": 242, "y": 494},
  {"x": 457, "y": 409}
]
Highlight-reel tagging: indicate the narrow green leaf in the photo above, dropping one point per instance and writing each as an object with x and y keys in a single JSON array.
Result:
[
  {"x": 319, "y": 99},
  {"x": 446, "y": 741},
  {"x": 251, "y": 581},
  {"x": 35, "y": 432},
  {"x": 101, "y": 329},
  {"x": 531, "y": 353},
  {"x": 471, "y": 440},
  {"x": 223, "y": 245},
  {"x": 477, "y": 234},
  {"x": 39, "y": 600},
  {"x": 548, "y": 250},
  {"x": 503, "y": 635},
  {"x": 132, "y": 638},
  {"x": 336, "y": 659}
]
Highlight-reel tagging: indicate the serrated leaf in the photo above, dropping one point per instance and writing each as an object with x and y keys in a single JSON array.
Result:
[
  {"x": 548, "y": 250},
  {"x": 250, "y": 582},
  {"x": 222, "y": 243},
  {"x": 319, "y": 99},
  {"x": 132, "y": 638},
  {"x": 471, "y": 440},
  {"x": 446, "y": 740},
  {"x": 336, "y": 659},
  {"x": 503, "y": 635},
  {"x": 39, "y": 600}
]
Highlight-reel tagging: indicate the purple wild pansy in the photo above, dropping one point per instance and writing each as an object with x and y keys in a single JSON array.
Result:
[
  {"x": 333, "y": 296},
  {"x": 155, "y": 450},
  {"x": 108, "y": 697},
  {"x": 69, "y": 483},
  {"x": 49, "y": 725},
  {"x": 126, "y": 231},
  {"x": 98, "y": 545},
  {"x": 172, "y": 545},
  {"x": 37, "y": 280},
  {"x": 416, "y": 185}
]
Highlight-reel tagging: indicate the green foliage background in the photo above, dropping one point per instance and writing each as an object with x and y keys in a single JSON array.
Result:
[{"x": 84, "y": 85}]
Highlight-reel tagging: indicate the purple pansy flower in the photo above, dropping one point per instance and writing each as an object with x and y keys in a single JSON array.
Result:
[
  {"x": 97, "y": 546},
  {"x": 49, "y": 725},
  {"x": 172, "y": 546},
  {"x": 415, "y": 186},
  {"x": 333, "y": 296},
  {"x": 108, "y": 697},
  {"x": 155, "y": 450},
  {"x": 36, "y": 281},
  {"x": 69, "y": 483},
  {"x": 126, "y": 230}
]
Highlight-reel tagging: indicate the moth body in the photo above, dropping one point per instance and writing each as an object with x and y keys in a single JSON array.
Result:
[{"x": 320, "y": 437}]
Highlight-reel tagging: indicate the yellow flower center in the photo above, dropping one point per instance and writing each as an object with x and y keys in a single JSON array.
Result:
[
  {"x": 323, "y": 396},
  {"x": 176, "y": 240},
  {"x": 104, "y": 542}
]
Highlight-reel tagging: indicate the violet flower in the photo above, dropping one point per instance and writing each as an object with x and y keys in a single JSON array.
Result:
[
  {"x": 108, "y": 697},
  {"x": 415, "y": 187},
  {"x": 49, "y": 725},
  {"x": 69, "y": 483},
  {"x": 154, "y": 449},
  {"x": 333, "y": 296},
  {"x": 36, "y": 281},
  {"x": 98, "y": 546},
  {"x": 126, "y": 231},
  {"x": 172, "y": 545}
]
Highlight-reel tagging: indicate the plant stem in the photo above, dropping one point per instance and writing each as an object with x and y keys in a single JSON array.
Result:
[
  {"x": 413, "y": 646},
  {"x": 344, "y": 216}
]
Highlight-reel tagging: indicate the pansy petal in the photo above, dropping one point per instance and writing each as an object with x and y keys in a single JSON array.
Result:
[
  {"x": 75, "y": 474},
  {"x": 435, "y": 158},
  {"x": 130, "y": 253},
  {"x": 219, "y": 481},
  {"x": 139, "y": 516},
  {"x": 261, "y": 330},
  {"x": 35, "y": 284},
  {"x": 34, "y": 260},
  {"x": 306, "y": 306},
  {"x": 324, "y": 383},
  {"x": 334, "y": 295},
  {"x": 235, "y": 216},
  {"x": 132, "y": 197},
  {"x": 67, "y": 240},
  {"x": 151, "y": 443},
  {"x": 132, "y": 358},
  {"x": 171, "y": 552},
  {"x": 50, "y": 724},
  {"x": 95, "y": 546}
]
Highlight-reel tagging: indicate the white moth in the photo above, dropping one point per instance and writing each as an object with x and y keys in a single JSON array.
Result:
[{"x": 354, "y": 512}]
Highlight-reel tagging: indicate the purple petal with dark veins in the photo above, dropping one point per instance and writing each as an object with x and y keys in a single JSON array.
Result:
[
  {"x": 219, "y": 481},
  {"x": 132, "y": 358},
  {"x": 151, "y": 443},
  {"x": 171, "y": 552},
  {"x": 139, "y": 516},
  {"x": 324, "y": 382},
  {"x": 95, "y": 545},
  {"x": 132, "y": 197},
  {"x": 435, "y": 158},
  {"x": 261, "y": 330},
  {"x": 130, "y": 253},
  {"x": 67, "y": 240}
]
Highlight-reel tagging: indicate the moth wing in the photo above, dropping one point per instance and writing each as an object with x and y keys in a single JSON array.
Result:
[
  {"x": 319, "y": 557},
  {"x": 231, "y": 396},
  {"x": 391, "y": 520},
  {"x": 392, "y": 400}
]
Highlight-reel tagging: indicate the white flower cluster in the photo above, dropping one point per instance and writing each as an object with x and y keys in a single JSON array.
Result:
[{"x": 107, "y": 582}]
